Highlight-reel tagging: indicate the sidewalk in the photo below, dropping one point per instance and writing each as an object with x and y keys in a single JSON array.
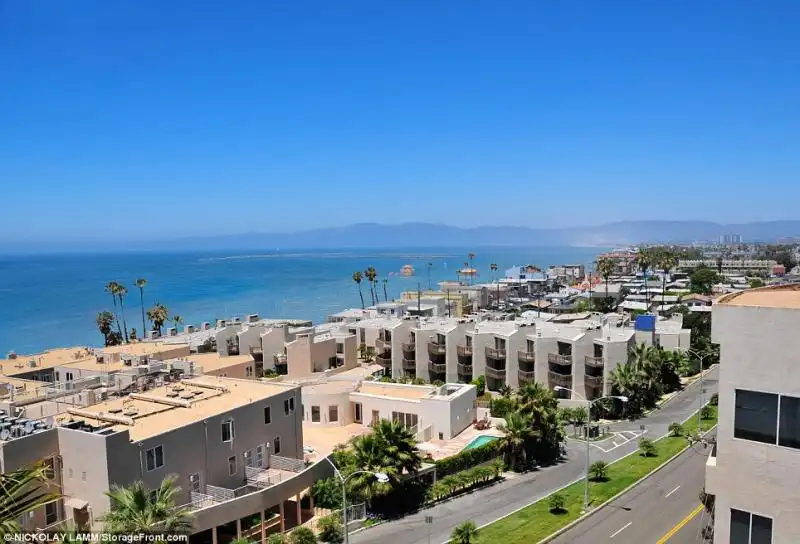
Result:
[{"x": 485, "y": 506}]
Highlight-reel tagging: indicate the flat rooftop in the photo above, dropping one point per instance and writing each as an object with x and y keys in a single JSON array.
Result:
[
  {"x": 214, "y": 361},
  {"x": 783, "y": 296},
  {"x": 45, "y": 359},
  {"x": 152, "y": 413},
  {"x": 409, "y": 392}
]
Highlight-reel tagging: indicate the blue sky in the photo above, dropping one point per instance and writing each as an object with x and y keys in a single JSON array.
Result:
[{"x": 142, "y": 119}]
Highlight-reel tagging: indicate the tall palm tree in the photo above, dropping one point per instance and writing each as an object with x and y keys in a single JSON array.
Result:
[
  {"x": 516, "y": 431},
  {"x": 464, "y": 533},
  {"x": 140, "y": 283},
  {"x": 357, "y": 277},
  {"x": 122, "y": 292},
  {"x": 399, "y": 446},
  {"x": 493, "y": 268},
  {"x": 177, "y": 320},
  {"x": 428, "y": 267},
  {"x": 22, "y": 491},
  {"x": 372, "y": 275},
  {"x": 385, "y": 284},
  {"x": 668, "y": 260},
  {"x": 111, "y": 288},
  {"x": 137, "y": 509},
  {"x": 471, "y": 258},
  {"x": 105, "y": 322},
  {"x": 369, "y": 455},
  {"x": 644, "y": 260},
  {"x": 158, "y": 314},
  {"x": 605, "y": 268}
]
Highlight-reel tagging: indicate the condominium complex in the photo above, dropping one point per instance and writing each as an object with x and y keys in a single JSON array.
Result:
[{"x": 754, "y": 470}]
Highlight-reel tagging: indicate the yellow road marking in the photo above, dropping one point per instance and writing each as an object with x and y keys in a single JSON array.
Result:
[{"x": 681, "y": 524}]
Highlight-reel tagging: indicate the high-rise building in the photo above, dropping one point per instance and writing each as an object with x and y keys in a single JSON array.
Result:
[{"x": 754, "y": 469}]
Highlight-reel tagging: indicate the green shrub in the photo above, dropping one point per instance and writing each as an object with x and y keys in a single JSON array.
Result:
[
  {"x": 480, "y": 385},
  {"x": 467, "y": 458},
  {"x": 714, "y": 400},
  {"x": 675, "y": 429},
  {"x": 706, "y": 413},
  {"x": 330, "y": 530},
  {"x": 327, "y": 493},
  {"x": 647, "y": 448},
  {"x": 599, "y": 471},
  {"x": 556, "y": 503},
  {"x": 276, "y": 538},
  {"x": 501, "y": 406},
  {"x": 303, "y": 535}
]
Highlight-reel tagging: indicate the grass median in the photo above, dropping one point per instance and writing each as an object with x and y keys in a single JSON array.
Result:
[{"x": 535, "y": 522}]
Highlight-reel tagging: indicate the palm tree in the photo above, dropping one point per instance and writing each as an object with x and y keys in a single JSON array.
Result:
[
  {"x": 428, "y": 267},
  {"x": 105, "y": 322},
  {"x": 471, "y": 258},
  {"x": 177, "y": 320},
  {"x": 371, "y": 274},
  {"x": 640, "y": 356},
  {"x": 140, "y": 283},
  {"x": 400, "y": 446},
  {"x": 137, "y": 509},
  {"x": 122, "y": 292},
  {"x": 111, "y": 288},
  {"x": 464, "y": 533},
  {"x": 644, "y": 260},
  {"x": 357, "y": 277},
  {"x": 385, "y": 295},
  {"x": 668, "y": 260},
  {"x": 493, "y": 268},
  {"x": 605, "y": 267},
  {"x": 22, "y": 491},
  {"x": 516, "y": 431},
  {"x": 369, "y": 455},
  {"x": 158, "y": 314}
]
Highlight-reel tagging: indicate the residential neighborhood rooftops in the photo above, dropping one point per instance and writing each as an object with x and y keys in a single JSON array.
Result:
[
  {"x": 783, "y": 296},
  {"x": 214, "y": 361},
  {"x": 382, "y": 322}
]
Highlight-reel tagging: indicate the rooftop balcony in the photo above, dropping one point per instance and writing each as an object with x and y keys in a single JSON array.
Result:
[
  {"x": 525, "y": 376},
  {"x": 526, "y": 357},
  {"x": 564, "y": 380},
  {"x": 435, "y": 349},
  {"x": 409, "y": 364},
  {"x": 409, "y": 351},
  {"x": 557, "y": 359},
  {"x": 496, "y": 373},
  {"x": 437, "y": 368},
  {"x": 497, "y": 354},
  {"x": 596, "y": 362},
  {"x": 279, "y": 358}
]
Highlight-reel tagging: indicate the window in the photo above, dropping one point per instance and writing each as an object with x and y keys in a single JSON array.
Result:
[
  {"x": 83, "y": 476},
  {"x": 789, "y": 424},
  {"x": 51, "y": 513},
  {"x": 286, "y": 407},
  {"x": 58, "y": 377},
  {"x": 376, "y": 417},
  {"x": 756, "y": 416},
  {"x": 339, "y": 347},
  {"x": 407, "y": 420},
  {"x": 277, "y": 445},
  {"x": 155, "y": 458},
  {"x": 315, "y": 414},
  {"x": 267, "y": 415},
  {"x": 69, "y": 376},
  {"x": 248, "y": 371},
  {"x": 291, "y": 404},
  {"x": 228, "y": 430},
  {"x": 747, "y": 528},
  {"x": 333, "y": 414},
  {"x": 260, "y": 455},
  {"x": 232, "y": 468},
  {"x": 357, "y": 416},
  {"x": 194, "y": 482},
  {"x": 50, "y": 468},
  {"x": 248, "y": 458},
  {"x": 69, "y": 473}
]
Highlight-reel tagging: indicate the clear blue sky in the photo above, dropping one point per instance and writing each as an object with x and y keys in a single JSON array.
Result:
[{"x": 172, "y": 118}]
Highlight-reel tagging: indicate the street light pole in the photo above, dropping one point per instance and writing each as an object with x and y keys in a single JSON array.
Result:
[
  {"x": 700, "y": 410},
  {"x": 589, "y": 404}
]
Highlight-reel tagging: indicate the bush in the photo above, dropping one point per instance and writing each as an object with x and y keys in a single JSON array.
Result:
[
  {"x": 467, "y": 458},
  {"x": 556, "y": 503},
  {"x": 303, "y": 535},
  {"x": 461, "y": 481},
  {"x": 327, "y": 493},
  {"x": 501, "y": 406},
  {"x": 599, "y": 471},
  {"x": 480, "y": 385},
  {"x": 276, "y": 538},
  {"x": 714, "y": 400},
  {"x": 705, "y": 412},
  {"x": 647, "y": 448},
  {"x": 465, "y": 533},
  {"x": 331, "y": 530},
  {"x": 675, "y": 429}
]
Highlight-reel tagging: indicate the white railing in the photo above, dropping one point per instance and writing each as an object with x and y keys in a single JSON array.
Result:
[
  {"x": 287, "y": 463},
  {"x": 259, "y": 477}
]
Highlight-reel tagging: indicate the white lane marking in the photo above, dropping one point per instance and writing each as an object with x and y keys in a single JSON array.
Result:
[
  {"x": 671, "y": 492},
  {"x": 625, "y": 527}
]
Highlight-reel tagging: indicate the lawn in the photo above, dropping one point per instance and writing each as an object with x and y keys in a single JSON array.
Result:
[{"x": 535, "y": 522}]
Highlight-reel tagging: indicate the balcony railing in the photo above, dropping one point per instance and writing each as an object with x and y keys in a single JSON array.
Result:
[
  {"x": 560, "y": 379},
  {"x": 557, "y": 359},
  {"x": 525, "y": 376},
  {"x": 385, "y": 362},
  {"x": 494, "y": 353},
  {"x": 593, "y": 381},
  {"x": 593, "y": 361},
  {"x": 526, "y": 356},
  {"x": 437, "y": 368},
  {"x": 464, "y": 351},
  {"x": 436, "y": 349},
  {"x": 381, "y": 345},
  {"x": 409, "y": 364},
  {"x": 279, "y": 358},
  {"x": 464, "y": 370},
  {"x": 496, "y": 373}
]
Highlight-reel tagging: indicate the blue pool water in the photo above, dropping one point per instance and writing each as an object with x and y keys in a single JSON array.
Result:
[{"x": 479, "y": 441}]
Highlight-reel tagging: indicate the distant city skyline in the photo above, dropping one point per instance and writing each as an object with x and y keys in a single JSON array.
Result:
[{"x": 144, "y": 121}]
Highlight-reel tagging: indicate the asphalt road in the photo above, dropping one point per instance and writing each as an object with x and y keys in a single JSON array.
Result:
[
  {"x": 487, "y": 505},
  {"x": 659, "y": 510}
]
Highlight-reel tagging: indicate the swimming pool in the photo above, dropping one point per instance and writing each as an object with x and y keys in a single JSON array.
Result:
[{"x": 479, "y": 441}]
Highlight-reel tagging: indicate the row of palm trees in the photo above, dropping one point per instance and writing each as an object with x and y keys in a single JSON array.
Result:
[
  {"x": 158, "y": 314},
  {"x": 371, "y": 275},
  {"x": 664, "y": 258}
]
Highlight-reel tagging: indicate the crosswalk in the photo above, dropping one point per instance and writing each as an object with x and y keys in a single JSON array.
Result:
[{"x": 616, "y": 439}]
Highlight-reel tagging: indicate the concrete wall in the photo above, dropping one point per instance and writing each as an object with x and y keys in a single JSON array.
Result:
[
  {"x": 350, "y": 355},
  {"x": 340, "y": 399},
  {"x": 84, "y": 460},
  {"x": 250, "y": 336},
  {"x": 244, "y": 371},
  {"x": 222, "y": 336},
  {"x": 450, "y": 415},
  {"x": 273, "y": 341},
  {"x": 758, "y": 351},
  {"x": 321, "y": 353},
  {"x": 298, "y": 356}
]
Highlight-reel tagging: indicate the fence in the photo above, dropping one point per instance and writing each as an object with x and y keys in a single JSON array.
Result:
[
  {"x": 258, "y": 477},
  {"x": 287, "y": 463}
]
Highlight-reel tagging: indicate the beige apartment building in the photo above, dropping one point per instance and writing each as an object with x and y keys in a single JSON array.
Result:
[
  {"x": 436, "y": 355},
  {"x": 754, "y": 470},
  {"x": 387, "y": 336}
]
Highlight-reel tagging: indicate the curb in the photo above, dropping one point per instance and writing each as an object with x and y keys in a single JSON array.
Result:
[{"x": 599, "y": 507}]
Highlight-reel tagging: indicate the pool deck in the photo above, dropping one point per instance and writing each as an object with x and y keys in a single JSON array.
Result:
[{"x": 446, "y": 448}]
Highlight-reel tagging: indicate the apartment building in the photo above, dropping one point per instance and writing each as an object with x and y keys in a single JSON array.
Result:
[
  {"x": 436, "y": 355},
  {"x": 754, "y": 470},
  {"x": 495, "y": 345},
  {"x": 236, "y": 447},
  {"x": 387, "y": 336},
  {"x": 730, "y": 266}
]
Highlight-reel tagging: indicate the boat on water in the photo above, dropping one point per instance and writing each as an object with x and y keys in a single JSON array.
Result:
[{"x": 407, "y": 270}]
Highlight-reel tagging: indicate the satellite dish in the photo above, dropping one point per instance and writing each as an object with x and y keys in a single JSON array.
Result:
[{"x": 4, "y": 434}]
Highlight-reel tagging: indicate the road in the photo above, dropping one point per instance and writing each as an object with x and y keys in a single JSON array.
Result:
[
  {"x": 487, "y": 505},
  {"x": 663, "y": 508}
]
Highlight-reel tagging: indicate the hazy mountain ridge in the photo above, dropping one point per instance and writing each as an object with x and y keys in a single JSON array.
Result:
[{"x": 419, "y": 235}]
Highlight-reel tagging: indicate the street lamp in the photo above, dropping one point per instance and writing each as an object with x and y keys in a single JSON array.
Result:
[
  {"x": 589, "y": 404},
  {"x": 700, "y": 410},
  {"x": 380, "y": 476}
]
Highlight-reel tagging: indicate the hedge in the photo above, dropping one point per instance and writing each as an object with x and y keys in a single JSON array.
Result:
[{"x": 467, "y": 459}]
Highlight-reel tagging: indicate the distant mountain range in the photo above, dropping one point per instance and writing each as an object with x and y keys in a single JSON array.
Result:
[{"x": 417, "y": 235}]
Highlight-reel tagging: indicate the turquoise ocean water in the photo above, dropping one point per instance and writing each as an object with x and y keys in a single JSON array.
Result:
[{"x": 51, "y": 300}]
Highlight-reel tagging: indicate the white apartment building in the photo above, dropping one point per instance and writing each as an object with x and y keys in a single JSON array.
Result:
[
  {"x": 387, "y": 336},
  {"x": 754, "y": 470},
  {"x": 436, "y": 355}
]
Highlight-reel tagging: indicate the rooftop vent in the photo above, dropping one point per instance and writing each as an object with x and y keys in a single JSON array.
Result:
[
  {"x": 172, "y": 394},
  {"x": 115, "y": 410}
]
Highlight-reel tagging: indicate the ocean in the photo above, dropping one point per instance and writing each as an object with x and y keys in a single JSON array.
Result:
[{"x": 49, "y": 301}]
